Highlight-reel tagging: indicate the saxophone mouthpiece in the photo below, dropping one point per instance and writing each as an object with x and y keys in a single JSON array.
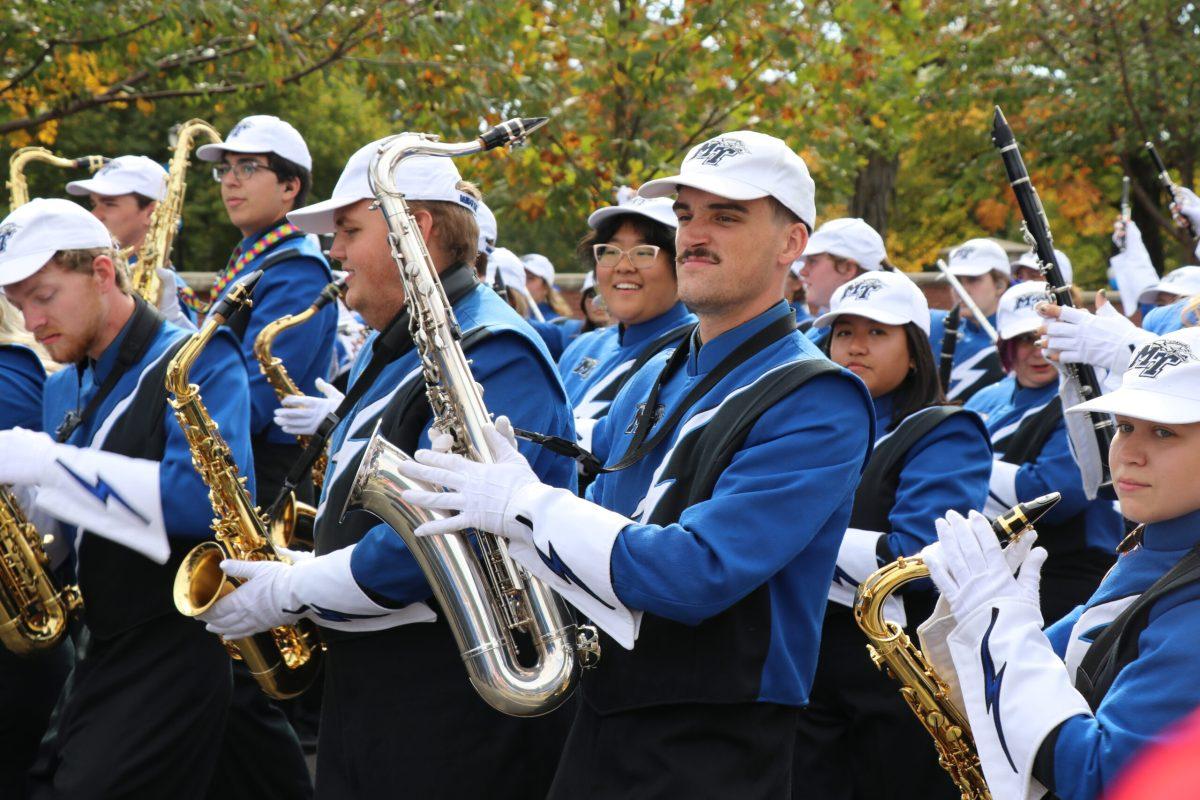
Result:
[
  {"x": 511, "y": 132},
  {"x": 237, "y": 297},
  {"x": 1023, "y": 515}
]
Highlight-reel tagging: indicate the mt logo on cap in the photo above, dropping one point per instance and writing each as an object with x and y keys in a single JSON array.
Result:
[
  {"x": 6, "y": 233},
  {"x": 244, "y": 125},
  {"x": 1031, "y": 300},
  {"x": 1160, "y": 354},
  {"x": 862, "y": 290},
  {"x": 714, "y": 151}
]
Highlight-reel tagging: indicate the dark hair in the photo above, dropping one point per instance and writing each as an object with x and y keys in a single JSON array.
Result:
[
  {"x": 921, "y": 387},
  {"x": 285, "y": 171},
  {"x": 142, "y": 200},
  {"x": 584, "y": 296},
  {"x": 652, "y": 232}
]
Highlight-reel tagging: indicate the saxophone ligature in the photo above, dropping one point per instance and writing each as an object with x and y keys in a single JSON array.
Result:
[
  {"x": 18, "y": 185},
  {"x": 164, "y": 222},
  {"x": 283, "y": 660},
  {"x": 487, "y": 598},
  {"x": 925, "y": 692},
  {"x": 34, "y": 611}
]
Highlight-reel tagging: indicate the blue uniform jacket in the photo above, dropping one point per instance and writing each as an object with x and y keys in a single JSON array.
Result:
[
  {"x": 1165, "y": 319},
  {"x": 519, "y": 380},
  {"x": 557, "y": 334},
  {"x": 220, "y": 373},
  {"x": 775, "y": 517},
  {"x": 1153, "y": 692},
  {"x": 973, "y": 346},
  {"x": 1003, "y": 406},
  {"x": 21, "y": 380},
  {"x": 597, "y": 358},
  {"x": 288, "y": 287}
]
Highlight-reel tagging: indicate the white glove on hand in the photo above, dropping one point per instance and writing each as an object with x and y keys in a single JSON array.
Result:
[
  {"x": 265, "y": 600},
  {"x": 480, "y": 493},
  {"x": 1105, "y": 339},
  {"x": 971, "y": 570},
  {"x": 27, "y": 458},
  {"x": 1189, "y": 206},
  {"x": 302, "y": 414}
]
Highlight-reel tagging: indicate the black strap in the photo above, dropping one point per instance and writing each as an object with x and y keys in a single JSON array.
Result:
[
  {"x": 143, "y": 326},
  {"x": 655, "y": 347},
  {"x": 240, "y": 322}
]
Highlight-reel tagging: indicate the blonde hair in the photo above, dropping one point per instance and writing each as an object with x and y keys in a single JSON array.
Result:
[
  {"x": 456, "y": 227},
  {"x": 81, "y": 261},
  {"x": 1191, "y": 312},
  {"x": 13, "y": 332}
]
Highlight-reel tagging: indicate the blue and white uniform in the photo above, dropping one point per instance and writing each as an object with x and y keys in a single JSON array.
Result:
[
  {"x": 21, "y": 379},
  {"x": 1165, "y": 319},
  {"x": 976, "y": 362}
]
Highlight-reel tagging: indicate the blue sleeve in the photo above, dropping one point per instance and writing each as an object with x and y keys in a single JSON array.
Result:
[
  {"x": 516, "y": 383},
  {"x": 555, "y": 337},
  {"x": 306, "y": 351},
  {"x": 1153, "y": 692},
  {"x": 1054, "y": 470},
  {"x": 937, "y": 331},
  {"x": 704, "y": 563},
  {"x": 21, "y": 382},
  {"x": 220, "y": 373},
  {"x": 948, "y": 468},
  {"x": 1059, "y": 633},
  {"x": 1165, "y": 319}
]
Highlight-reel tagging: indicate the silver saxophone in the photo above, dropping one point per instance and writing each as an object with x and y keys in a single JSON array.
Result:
[{"x": 485, "y": 595}]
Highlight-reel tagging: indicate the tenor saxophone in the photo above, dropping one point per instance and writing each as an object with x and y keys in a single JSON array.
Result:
[
  {"x": 283, "y": 660},
  {"x": 18, "y": 186},
  {"x": 925, "y": 692},
  {"x": 156, "y": 247},
  {"x": 485, "y": 597},
  {"x": 34, "y": 611}
]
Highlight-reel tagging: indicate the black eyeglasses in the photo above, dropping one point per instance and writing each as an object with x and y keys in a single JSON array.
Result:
[
  {"x": 244, "y": 170},
  {"x": 608, "y": 255}
]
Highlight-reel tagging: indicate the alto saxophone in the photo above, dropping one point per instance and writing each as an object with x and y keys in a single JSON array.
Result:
[
  {"x": 18, "y": 186},
  {"x": 485, "y": 597},
  {"x": 921, "y": 687},
  {"x": 283, "y": 660},
  {"x": 34, "y": 612},
  {"x": 156, "y": 247}
]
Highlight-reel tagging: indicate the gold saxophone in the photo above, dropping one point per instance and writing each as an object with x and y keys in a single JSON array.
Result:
[
  {"x": 34, "y": 612},
  {"x": 283, "y": 660},
  {"x": 18, "y": 186},
  {"x": 164, "y": 222},
  {"x": 921, "y": 687}
]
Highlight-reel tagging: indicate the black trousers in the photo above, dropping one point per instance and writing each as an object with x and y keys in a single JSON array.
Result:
[
  {"x": 1069, "y": 579},
  {"x": 29, "y": 688},
  {"x": 857, "y": 739},
  {"x": 138, "y": 717},
  {"x": 692, "y": 751},
  {"x": 399, "y": 718}
]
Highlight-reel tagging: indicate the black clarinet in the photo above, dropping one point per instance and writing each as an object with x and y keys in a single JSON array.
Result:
[
  {"x": 1164, "y": 177},
  {"x": 1037, "y": 234},
  {"x": 949, "y": 345}
]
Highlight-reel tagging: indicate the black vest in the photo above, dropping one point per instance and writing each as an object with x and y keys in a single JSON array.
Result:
[
  {"x": 721, "y": 659},
  {"x": 122, "y": 589}
]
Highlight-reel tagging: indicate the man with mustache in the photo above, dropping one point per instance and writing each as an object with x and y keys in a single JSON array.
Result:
[{"x": 706, "y": 548}]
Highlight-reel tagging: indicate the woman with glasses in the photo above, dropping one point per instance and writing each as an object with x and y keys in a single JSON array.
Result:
[{"x": 632, "y": 249}]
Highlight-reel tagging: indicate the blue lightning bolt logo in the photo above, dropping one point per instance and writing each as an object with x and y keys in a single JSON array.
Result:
[
  {"x": 841, "y": 576},
  {"x": 329, "y": 614},
  {"x": 102, "y": 491},
  {"x": 991, "y": 686},
  {"x": 560, "y": 569}
]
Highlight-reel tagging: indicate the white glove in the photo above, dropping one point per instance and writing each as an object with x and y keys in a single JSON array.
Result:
[
  {"x": 267, "y": 599},
  {"x": 1105, "y": 339},
  {"x": 1189, "y": 206},
  {"x": 970, "y": 569},
  {"x": 293, "y": 556},
  {"x": 27, "y": 458},
  {"x": 168, "y": 300},
  {"x": 480, "y": 493},
  {"x": 302, "y": 414}
]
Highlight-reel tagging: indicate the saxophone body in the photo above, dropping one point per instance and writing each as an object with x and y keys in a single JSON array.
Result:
[
  {"x": 164, "y": 222},
  {"x": 34, "y": 611},
  {"x": 892, "y": 651},
  {"x": 485, "y": 595},
  {"x": 18, "y": 185},
  {"x": 283, "y": 660}
]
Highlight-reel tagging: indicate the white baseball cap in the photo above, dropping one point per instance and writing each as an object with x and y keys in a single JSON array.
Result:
[
  {"x": 512, "y": 271},
  {"x": 1181, "y": 281},
  {"x": 978, "y": 257},
  {"x": 33, "y": 233},
  {"x": 796, "y": 266},
  {"x": 488, "y": 231},
  {"x": 1017, "y": 312},
  {"x": 744, "y": 165},
  {"x": 1161, "y": 384},
  {"x": 539, "y": 265},
  {"x": 849, "y": 237},
  {"x": 125, "y": 175},
  {"x": 417, "y": 177},
  {"x": 261, "y": 133},
  {"x": 888, "y": 297},
  {"x": 589, "y": 281},
  {"x": 1029, "y": 259},
  {"x": 659, "y": 209}
]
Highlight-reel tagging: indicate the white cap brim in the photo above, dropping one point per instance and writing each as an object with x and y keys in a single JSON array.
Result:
[
  {"x": 1162, "y": 407},
  {"x": 18, "y": 268},
  {"x": 320, "y": 218},
  {"x": 1020, "y": 327},
  {"x": 1150, "y": 294},
  {"x": 713, "y": 184},
  {"x": 88, "y": 186},
  {"x": 971, "y": 270},
  {"x": 598, "y": 216},
  {"x": 216, "y": 152},
  {"x": 876, "y": 314}
]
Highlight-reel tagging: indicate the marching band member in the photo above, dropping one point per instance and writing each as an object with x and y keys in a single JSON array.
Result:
[
  {"x": 591, "y": 305},
  {"x": 632, "y": 249},
  {"x": 397, "y": 709},
  {"x": 1064, "y": 710},
  {"x": 149, "y": 689},
  {"x": 744, "y": 427},
  {"x": 840, "y": 250},
  {"x": 506, "y": 275},
  {"x": 1026, "y": 267},
  {"x": 857, "y": 737},
  {"x": 982, "y": 267},
  {"x": 1023, "y": 414},
  {"x": 539, "y": 280},
  {"x": 1170, "y": 297}
]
